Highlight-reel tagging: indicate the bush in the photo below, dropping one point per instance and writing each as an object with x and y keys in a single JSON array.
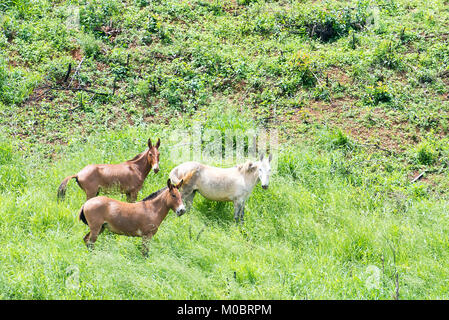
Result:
[
  {"x": 15, "y": 84},
  {"x": 335, "y": 139},
  {"x": 385, "y": 56},
  {"x": 25, "y": 8},
  {"x": 378, "y": 93},
  {"x": 246, "y": 2},
  {"x": 301, "y": 70},
  {"x": 425, "y": 154},
  {"x": 155, "y": 29},
  {"x": 425, "y": 76},
  {"x": 90, "y": 46},
  {"x": 98, "y": 13},
  {"x": 56, "y": 69},
  {"x": 329, "y": 24}
]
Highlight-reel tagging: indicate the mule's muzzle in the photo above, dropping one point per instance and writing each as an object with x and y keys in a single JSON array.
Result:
[
  {"x": 265, "y": 186},
  {"x": 180, "y": 211},
  {"x": 156, "y": 169}
]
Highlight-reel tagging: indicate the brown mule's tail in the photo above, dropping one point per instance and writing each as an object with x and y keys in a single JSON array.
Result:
[
  {"x": 82, "y": 216},
  {"x": 63, "y": 186}
]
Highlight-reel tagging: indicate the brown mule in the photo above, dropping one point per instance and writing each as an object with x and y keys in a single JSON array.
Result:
[
  {"x": 127, "y": 176},
  {"x": 140, "y": 219}
]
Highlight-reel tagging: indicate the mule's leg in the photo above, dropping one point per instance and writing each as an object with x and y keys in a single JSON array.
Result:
[
  {"x": 238, "y": 208},
  {"x": 86, "y": 237},
  {"x": 145, "y": 240},
  {"x": 242, "y": 211},
  {"x": 188, "y": 200},
  {"x": 131, "y": 196},
  {"x": 93, "y": 234}
]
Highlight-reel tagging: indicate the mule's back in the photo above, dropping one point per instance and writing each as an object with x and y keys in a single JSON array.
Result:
[
  {"x": 117, "y": 216},
  {"x": 180, "y": 171},
  {"x": 214, "y": 183}
]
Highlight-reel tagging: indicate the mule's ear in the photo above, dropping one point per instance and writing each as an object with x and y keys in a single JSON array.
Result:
[
  {"x": 261, "y": 156},
  {"x": 158, "y": 143},
  {"x": 179, "y": 184},
  {"x": 169, "y": 185},
  {"x": 149, "y": 143},
  {"x": 270, "y": 157},
  {"x": 251, "y": 166}
]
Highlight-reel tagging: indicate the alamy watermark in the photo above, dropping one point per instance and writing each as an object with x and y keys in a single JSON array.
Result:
[
  {"x": 73, "y": 17},
  {"x": 225, "y": 148},
  {"x": 372, "y": 280},
  {"x": 72, "y": 280}
]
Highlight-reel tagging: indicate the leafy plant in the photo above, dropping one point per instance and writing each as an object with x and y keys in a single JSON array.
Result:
[
  {"x": 381, "y": 92},
  {"x": 425, "y": 154},
  {"x": 385, "y": 55}
]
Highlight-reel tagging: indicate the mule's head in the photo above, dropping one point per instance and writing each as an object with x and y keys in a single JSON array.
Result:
[
  {"x": 264, "y": 170},
  {"x": 153, "y": 155},
  {"x": 174, "y": 201}
]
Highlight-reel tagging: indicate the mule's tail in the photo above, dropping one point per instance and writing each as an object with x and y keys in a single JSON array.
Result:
[
  {"x": 63, "y": 186},
  {"x": 82, "y": 217}
]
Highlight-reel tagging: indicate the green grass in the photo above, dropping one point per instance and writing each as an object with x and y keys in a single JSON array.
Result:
[
  {"x": 361, "y": 108},
  {"x": 311, "y": 235}
]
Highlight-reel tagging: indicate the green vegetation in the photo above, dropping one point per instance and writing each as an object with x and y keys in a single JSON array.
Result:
[{"x": 358, "y": 91}]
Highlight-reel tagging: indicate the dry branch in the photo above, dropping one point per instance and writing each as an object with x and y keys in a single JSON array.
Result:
[
  {"x": 419, "y": 176},
  {"x": 74, "y": 89},
  {"x": 68, "y": 72},
  {"x": 76, "y": 71}
]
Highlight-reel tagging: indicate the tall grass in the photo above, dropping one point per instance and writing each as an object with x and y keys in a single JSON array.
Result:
[
  {"x": 337, "y": 222},
  {"x": 314, "y": 234}
]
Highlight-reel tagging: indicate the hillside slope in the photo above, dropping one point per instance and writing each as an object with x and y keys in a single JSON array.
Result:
[{"x": 358, "y": 91}]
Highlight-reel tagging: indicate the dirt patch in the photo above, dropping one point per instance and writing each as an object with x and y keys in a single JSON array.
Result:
[
  {"x": 339, "y": 75},
  {"x": 76, "y": 54},
  {"x": 373, "y": 126}
]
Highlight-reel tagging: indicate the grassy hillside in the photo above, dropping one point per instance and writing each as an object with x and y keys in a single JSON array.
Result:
[{"x": 358, "y": 91}]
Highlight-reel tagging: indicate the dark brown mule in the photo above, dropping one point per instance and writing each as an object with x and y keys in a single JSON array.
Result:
[
  {"x": 127, "y": 176},
  {"x": 140, "y": 219}
]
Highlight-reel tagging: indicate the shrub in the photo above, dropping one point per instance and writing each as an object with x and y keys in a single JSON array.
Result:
[
  {"x": 90, "y": 46},
  {"x": 385, "y": 56},
  {"x": 98, "y": 13},
  {"x": 425, "y": 154},
  {"x": 378, "y": 93},
  {"x": 335, "y": 139},
  {"x": 24, "y": 8},
  {"x": 301, "y": 72},
  {"x": 155, "y": 29},
  {"x": 15, "y": 84},
  {"x": 142, "y": 3},
  {"x": 246, "y": 2},
  {"x": 425, "y": 76},
  {"x": 151, "y": 85},
  {"x": 56, "y": 69},
  {"x": 329, "y": 24}
]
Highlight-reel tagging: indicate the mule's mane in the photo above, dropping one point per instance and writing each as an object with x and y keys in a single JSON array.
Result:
[
  {"x": 140, "y": 155},
  {"x": 155, "y": 194},
  {"x": 243, "y": 166}
]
